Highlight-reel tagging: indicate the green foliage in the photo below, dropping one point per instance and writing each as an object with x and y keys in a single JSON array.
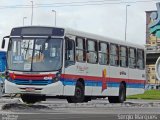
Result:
[{"x": 149, "y": 94}]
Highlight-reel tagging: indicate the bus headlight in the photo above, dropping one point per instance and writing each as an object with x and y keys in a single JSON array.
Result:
[
  {"x": 58, "y": 74},
  {"x": 57, "y": 77},
  {"x": 6, "y": 75}
]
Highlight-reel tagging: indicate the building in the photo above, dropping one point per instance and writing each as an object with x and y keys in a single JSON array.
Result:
[{"x": 152, "y": 45}]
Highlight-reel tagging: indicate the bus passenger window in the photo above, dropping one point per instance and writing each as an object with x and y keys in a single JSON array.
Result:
[
  {"x": 132, "y": 58},
  {"x": 80, "y": 50},
  {"x": 114, "y": 55},
  {"x": 92, "y": 56},
  {"x": 70, "y": 50},
  {"x": 123, "y": 56},
  {"x": 103, "y": 53},
  {"x": 140, "y": 59}
]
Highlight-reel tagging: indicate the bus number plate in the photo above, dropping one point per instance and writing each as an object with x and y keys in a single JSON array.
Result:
[{"x": 30, "y": 89}]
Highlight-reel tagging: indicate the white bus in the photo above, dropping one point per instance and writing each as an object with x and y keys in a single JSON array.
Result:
[{"x": 56, "y": 62}]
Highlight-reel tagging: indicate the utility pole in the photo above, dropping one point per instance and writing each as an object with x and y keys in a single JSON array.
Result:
[
  {"x": 24, "y": 19},
  {"x": 54, "y": 17},
  {"x": 32, "y": 14},
  {"x": 126, "y": 23}
]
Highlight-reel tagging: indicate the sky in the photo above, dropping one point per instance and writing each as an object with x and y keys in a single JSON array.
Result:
[{"x": 101, "y": 17}]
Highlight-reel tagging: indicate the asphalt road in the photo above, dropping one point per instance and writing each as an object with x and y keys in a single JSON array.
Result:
[
  {"x": 60, "y": 117},
  {"x": 56, "y": 109}
]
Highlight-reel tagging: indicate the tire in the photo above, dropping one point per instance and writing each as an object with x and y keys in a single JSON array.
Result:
[
  {"x": 31, "y": 99},
  {"x": 1, "y": 89},
  {"x": 122, "y": 95},
  {"x": 87, "y": 99},
  {"x": 113, "y": 99},
  {"x": 78, "y": 95}
]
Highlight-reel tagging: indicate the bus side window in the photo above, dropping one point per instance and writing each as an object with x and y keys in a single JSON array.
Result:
[
  {"x": 103, "y": 53},
  {"x": 69, "y": 52},
  {"x": 114, "y": 55},
  {"x": 123, "y": 56},
  {"x": 92, "y": 52},
  {"x": 80, "y": 50},
  {"x": 132, "y": 58},
  {"x": 140, "y": 59}
]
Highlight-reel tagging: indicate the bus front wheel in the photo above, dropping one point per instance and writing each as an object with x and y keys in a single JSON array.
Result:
[
  {"x": 121, "y": 97},
  {"x": 78, "y": 95},
  {"x": 31, "y": 99}
]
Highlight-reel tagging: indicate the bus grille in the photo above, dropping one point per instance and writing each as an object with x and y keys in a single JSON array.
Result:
[{"x": 32, "y": 82}]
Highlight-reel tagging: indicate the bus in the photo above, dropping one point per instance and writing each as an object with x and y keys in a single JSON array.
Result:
[{"x": 45, "y": 62}]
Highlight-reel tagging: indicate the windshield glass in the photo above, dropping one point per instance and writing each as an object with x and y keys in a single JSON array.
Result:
[{"x": 37, "y": 54}]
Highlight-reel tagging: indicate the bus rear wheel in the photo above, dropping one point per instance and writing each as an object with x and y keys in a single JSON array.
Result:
[
  {"x": 78, "y": 95},
  {"x": 122, "y": 95}
]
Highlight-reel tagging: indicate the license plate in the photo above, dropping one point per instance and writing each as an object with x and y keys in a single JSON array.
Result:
[{"x": 30, "y": 89}]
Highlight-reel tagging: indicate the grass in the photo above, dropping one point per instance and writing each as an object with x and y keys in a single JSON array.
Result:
[{"x": 149, "y": 94}]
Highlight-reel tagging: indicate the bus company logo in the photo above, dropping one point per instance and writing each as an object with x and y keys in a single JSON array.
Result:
[
  {"x": 82, "y": 68},
  {"x": 47, "y": 78}
]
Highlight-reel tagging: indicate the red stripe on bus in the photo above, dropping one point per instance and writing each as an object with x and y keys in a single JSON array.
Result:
[
  {"x": 70, "y": 76},
  {"x": 109, "y": 79},
  {"x": 73, "y": 77},
  {"x": 33, "y": 77}
]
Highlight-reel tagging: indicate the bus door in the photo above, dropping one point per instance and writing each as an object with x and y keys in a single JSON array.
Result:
[
  {"x": 69, "y": 77},
  {"x": 81, "y": 65}
]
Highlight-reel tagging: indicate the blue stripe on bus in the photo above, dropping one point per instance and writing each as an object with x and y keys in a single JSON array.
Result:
[
  {"x": 73, "y": 82},
  {"x": 99, "y": 84},
  {"x": 129, "y": 85},
  {"x": 135, "y": 85}
]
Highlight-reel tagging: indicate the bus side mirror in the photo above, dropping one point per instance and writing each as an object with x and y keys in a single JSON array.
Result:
[{"x": 3, "y": 43}]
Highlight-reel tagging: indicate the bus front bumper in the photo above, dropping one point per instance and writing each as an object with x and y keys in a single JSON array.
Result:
[{"x": 51, "y": 89}]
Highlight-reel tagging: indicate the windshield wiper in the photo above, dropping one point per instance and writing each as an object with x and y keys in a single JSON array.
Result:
[{"x": 49, "y": 37}]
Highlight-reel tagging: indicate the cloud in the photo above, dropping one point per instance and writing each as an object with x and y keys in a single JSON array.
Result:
[{"x": 106, "y": 20}]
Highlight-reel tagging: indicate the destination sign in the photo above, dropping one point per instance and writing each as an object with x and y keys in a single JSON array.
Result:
[{"x": 37, "y": 31}]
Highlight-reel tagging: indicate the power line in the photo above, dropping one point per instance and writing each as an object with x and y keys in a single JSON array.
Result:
[
  {"x": 104, "y": 3},
  {"x": 26, "y": 6},
  {"x": 81, "y": 2},
  {"x": 57, "y": 4},
  {"x": 87, "y": 3}
]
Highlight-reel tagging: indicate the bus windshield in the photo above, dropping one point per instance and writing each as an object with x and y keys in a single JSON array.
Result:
[{"x": 35, "y": 54}]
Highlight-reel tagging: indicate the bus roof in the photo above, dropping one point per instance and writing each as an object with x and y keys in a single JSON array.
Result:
[
  {"x": 74, "y": 32},
  {"x": 101, "y": 38}
]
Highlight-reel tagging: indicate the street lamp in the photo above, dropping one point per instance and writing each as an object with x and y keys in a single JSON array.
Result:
[
  {"x": 32, "y": 14},
  {"x": 126, "y": 22},
  {"x": 23, "y": 20},
  {"x": 55, "y": 17}
]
